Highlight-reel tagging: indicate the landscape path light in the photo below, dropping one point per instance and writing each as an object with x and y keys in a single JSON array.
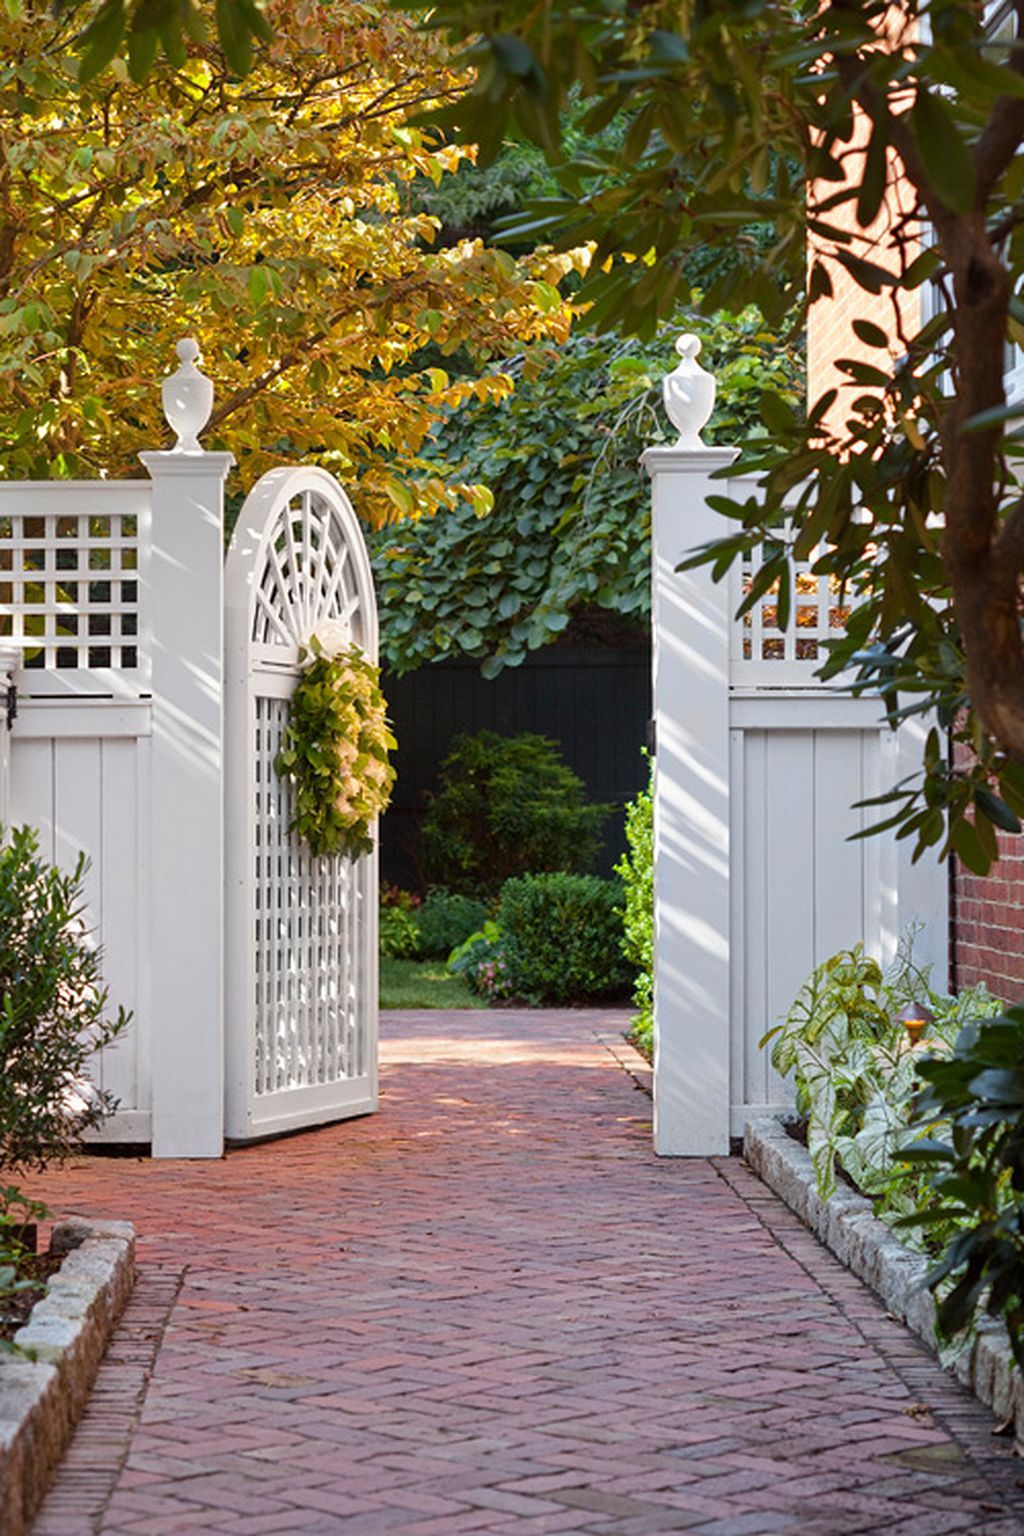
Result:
[{"x": 915, "y": 1018}]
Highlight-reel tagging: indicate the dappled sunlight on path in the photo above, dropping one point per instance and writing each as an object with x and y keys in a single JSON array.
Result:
[{"x": 490, "y": 1308}]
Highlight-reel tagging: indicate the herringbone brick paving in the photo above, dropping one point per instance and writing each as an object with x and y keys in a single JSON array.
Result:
[{"x": 491, "y": 1309}]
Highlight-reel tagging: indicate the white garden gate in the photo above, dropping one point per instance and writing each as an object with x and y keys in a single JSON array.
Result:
[
  {"x": 301, "y": 954},
  {"x": 147, "y": 743}
]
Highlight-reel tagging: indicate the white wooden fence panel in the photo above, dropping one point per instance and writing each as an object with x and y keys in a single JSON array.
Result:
[
  {"x": 85, "y": 792},
  {"x": 124, "y": 864},
  {"x": 756, "y": 881}
]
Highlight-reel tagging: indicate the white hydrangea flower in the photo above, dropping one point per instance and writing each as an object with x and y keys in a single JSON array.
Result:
[{"x": 333, "y": 636}]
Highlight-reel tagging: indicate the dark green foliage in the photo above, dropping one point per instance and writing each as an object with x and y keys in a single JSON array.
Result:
[
  {"x": 18, "y": 1220},
  {"x": 570, "y": 525},
  {"x": 399, "y": 936},
  {"x": 636, "y": 870},
  {"x": 53, "y": 1010},
  {"x": 445, "y": 920},
  {"x": 738, "y": 116},
  {"x": 563, "y": 937},
  {"x": 136, "y": 29},
  {"x": 506, "y": 805},
  {"x": 974, "y": 1104}
]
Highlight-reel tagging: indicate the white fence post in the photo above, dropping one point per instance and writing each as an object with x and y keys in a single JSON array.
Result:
[
  {"x": 690, "y": 624},
  {"x": 185, "y": 603},
  {"x": 691, "y": 812}
]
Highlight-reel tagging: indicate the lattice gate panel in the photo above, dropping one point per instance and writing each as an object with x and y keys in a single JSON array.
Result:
[
  {"x": 309, "y": 913},
  {"x": 302, "y": 931}
]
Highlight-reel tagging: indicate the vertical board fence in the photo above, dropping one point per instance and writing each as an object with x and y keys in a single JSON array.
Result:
[
  {"x": 112, "y": 627},
  {"x": 757, "y": 770}
]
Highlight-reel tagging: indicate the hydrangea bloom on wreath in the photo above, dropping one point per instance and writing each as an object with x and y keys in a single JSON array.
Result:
[{"x": 334, "y": 750}]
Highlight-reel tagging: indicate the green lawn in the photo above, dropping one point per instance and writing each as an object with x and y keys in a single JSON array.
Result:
[{"x": 423, "y": 984}]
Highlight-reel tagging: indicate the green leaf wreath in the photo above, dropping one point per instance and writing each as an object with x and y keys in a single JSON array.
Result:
[{"x": 334, "y": 752}]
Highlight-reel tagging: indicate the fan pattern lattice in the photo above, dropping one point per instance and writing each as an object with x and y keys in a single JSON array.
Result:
[{"x": 307, "y": 577}]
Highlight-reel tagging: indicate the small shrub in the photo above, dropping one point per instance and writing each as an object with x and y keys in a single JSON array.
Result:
[
  {"x": 564, "y": 936},
  {"x": 485, "y": 960},
  {"x": 53, "y": 1010},
  {"x": 507, "y": 805},
  {"x": 636, "y": 870},
  {"x": 970, "y": 1119},
  {"x": 445, "y": 919},
  {"x": 399, "y": 932}
]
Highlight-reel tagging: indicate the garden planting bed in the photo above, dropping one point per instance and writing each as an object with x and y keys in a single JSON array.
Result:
[
  {"x": 846, "y": 1224},
  {"x": 43, "y": 1389}
]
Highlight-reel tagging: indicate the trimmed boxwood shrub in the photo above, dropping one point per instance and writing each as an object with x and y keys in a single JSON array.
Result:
[
  {"x": 507, "y": 805},
  {"x": 445, "y": 920},
  {"x": 563, "y": 935}
]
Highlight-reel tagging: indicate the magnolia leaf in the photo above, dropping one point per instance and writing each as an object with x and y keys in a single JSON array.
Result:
[{"x": 943, "y": 150}]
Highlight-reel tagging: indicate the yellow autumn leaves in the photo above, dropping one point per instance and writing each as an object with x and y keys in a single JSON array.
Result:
[{"x": 277, "y": 218}]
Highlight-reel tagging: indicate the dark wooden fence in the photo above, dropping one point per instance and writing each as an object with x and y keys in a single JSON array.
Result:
[{"x": 594, "y": 701}]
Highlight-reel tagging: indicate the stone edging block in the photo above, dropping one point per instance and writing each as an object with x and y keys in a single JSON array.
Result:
[
  {"x": 845, "y": 1223},
  {"x": 44, "y": 1389}
]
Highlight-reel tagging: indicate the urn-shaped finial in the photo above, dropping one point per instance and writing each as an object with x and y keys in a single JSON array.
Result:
[
  {"x": 188, "y": 398},
  {"x": 689, "y": 393}
]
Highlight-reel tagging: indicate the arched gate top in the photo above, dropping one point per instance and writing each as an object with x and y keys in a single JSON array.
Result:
[{"x": 297, "y": 561}]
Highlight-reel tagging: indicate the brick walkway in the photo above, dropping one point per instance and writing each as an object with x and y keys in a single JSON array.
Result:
[{"x": 491, "y": 1309}]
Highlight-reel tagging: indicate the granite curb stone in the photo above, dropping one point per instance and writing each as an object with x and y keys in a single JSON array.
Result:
[
  {"x": 43, "y": 1390},
  {"x": 845, "y": 1223}
]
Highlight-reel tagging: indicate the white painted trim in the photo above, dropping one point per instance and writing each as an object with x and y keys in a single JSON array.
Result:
[
  {"x": 74, "y": 718},
  {"x": 821, "y": 710},
  {"x": 125, "y": 1125}
]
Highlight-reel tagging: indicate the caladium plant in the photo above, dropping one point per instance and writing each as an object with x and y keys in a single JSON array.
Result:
[{"x": 857, "y": 1070}]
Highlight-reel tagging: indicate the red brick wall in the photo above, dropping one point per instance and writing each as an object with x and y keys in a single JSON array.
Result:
[{"x": 988, "y": 923}]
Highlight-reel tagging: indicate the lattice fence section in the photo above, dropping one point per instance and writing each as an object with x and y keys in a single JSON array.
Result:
[
  {"x": 70, "y": 578},
  {"x": 310, "y": 915},
  {"x": 307, "y": 579},
  {"x": 762, "y": 653}
]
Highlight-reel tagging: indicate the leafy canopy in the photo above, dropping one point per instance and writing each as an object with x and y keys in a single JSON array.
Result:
[
  {"x": 822, "y": 122},
  {"x": 272, "y": 217},
  {"x": 569, "y": 529}
]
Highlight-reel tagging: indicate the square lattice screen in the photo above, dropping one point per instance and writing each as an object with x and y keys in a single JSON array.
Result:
[
  {"x": 69, "y": 589},
  {"x": 765, "y": 655}
]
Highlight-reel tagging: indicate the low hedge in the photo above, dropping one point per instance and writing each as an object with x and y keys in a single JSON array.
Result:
[{"x": 562, "y": 936}]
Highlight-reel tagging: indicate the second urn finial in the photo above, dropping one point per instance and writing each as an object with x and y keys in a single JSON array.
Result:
[
  {"x": 689, "y": 393},
  {"x": 188, "y": 398}
]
